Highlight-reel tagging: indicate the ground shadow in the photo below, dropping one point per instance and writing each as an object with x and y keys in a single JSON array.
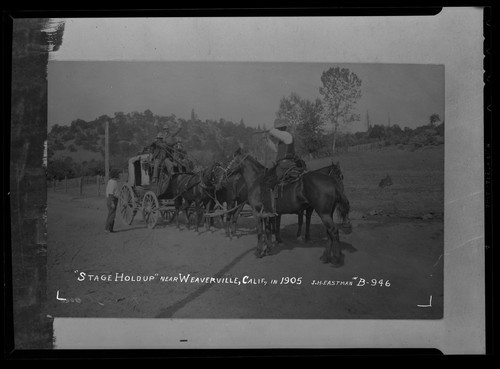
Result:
[
  {"x": 172, "y": 309},
  {"x": 129, "y": 229},
  {"x": 318, "y": 239}
]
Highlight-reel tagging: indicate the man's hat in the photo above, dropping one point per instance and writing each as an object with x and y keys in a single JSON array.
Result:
[
  {"x": 160, "y": 135},
  {"x": 280, "y": 123}
]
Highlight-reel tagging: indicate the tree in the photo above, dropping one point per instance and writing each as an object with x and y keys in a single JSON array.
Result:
[
  {"x": 340, "y": 91},
  {"x": 368, "y": 123},
  {"x": 434, "y": 118},
  {"x": 290, "y": 109},
  {"x": 310, "y": 135},
  {"x": 377, "y": 131},
  {"x": 304, "y": 120},
  {"x": 194, "y": 117}
]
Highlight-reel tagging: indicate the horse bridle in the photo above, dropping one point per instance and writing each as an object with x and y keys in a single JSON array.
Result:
[
  {"x": 337, "y": 171},
  {"x": 229, "y": 172}
]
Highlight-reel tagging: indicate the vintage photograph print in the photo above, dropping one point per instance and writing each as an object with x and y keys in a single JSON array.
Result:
[{"x": 245, "y": 190}]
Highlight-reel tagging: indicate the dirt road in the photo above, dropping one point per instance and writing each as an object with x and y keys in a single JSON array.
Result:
[{"x": 393, "y": 264}]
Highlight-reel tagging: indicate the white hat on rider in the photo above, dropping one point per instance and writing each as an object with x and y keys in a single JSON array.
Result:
[
  {"x": 160, "y": 135},
  {"x": 280, "y": 123}
]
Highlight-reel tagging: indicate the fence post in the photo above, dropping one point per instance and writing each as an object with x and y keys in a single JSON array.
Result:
[
  {"x": 98, "y": 185},
  {"x": 65, "y": 183},
  {"x": 81, "y": 185},
  {"x": 54, "y": 183}
]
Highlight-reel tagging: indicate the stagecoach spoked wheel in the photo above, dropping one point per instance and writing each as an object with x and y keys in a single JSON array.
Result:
[
  {"x": 150, "y": 209},
  {"x": 126, "y": 204}
]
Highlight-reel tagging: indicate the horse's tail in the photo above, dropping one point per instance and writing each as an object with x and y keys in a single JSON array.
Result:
[{"x": 343, "y": 207}]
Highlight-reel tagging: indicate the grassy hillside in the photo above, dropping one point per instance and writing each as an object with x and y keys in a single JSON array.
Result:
[
  {"x": 78, "y": 149},
  {"x": 417, "y": 181}
]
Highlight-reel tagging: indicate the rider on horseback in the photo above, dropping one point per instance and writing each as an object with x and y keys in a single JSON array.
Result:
[
  {"x": 181, "y": 157},
  {"x": 286, "y": 159},
  {"x": 163, "y": 153}
]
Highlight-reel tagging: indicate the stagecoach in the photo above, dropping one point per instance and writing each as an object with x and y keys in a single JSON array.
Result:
[{"x": 139, "y": 194}]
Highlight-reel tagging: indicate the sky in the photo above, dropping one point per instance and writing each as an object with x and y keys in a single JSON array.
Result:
[{"x": 405, "y": 94}]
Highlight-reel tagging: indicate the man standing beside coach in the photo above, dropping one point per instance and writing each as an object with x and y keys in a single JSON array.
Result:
[{"x": 112, "y": 193}]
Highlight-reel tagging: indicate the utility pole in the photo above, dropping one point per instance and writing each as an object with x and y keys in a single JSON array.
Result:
[{"x": 106, "y": 152}]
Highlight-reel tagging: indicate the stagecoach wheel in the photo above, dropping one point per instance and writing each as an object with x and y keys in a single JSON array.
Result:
[
  {"x": 150, "y": 209},
  {"x": 126, "y": 204}
]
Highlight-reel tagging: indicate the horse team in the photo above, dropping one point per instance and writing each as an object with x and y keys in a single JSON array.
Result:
[{"x": 240, "y": 182}]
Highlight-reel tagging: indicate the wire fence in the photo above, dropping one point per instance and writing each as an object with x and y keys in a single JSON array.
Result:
[{"x": 87, "y": 185}]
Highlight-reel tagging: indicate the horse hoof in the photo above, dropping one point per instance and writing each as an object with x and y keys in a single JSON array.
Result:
[{"x": 338, "y": 262}]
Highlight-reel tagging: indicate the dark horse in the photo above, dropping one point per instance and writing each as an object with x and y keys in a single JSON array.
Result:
[
  {"x": 314, "y": 190},
  {"x": 187, "y": 189},
  {"x": 233, "y": 191},
  {"x": 333, "y": 170}
]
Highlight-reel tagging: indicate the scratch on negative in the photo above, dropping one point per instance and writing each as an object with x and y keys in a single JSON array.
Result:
[
  {"x": 458, "y": 247},
  {"x": 464, "y": 197}
]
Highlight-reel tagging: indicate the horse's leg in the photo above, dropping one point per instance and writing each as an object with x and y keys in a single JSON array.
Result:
[
  {"x": 270, "y": 231},
  {"x": 309, "y": 212},
  {"x": 260, "y": 236},
  {"x": 199, "y": 215},
  {"x": 174, "y": 215},
  {"x": 332, "y": 253},
  {"x": 211, "y": 219},
  {"x": 277, "y": 230},
  {"x": 225, "y": 218},
  {"x": 267, "y": 235},
  {"x": 178, "y": 209},
  {"x": 184, "y": 210},
  {"x": 188, "y": 215},
  {"x": 229, "y": 220},
  {"x": 300, "y": 220},
  {"x": 206, "y": 221},
  {"x": 235, "y": 217},
  {"x": 227, "y": 225},
  {"x": 274, "y": 222}
]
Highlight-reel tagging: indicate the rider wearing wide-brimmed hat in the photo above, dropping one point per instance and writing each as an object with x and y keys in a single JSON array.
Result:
[
  {"x": 164, "y": 144},
  {"x": 288, "y": 164},
  {"x": 282, "y": 143},
  {"x": 159, "y": 154}
]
